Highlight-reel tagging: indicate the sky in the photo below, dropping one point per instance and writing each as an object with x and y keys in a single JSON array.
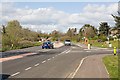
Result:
[{"x": 49, "y": 16}]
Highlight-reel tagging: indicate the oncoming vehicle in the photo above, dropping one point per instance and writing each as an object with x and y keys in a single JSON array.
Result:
[
  {"x": 47, "y": 45},
  {"x": 67, "y": 42}
]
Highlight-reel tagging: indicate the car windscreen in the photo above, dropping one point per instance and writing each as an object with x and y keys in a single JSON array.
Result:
[
  {"x": 49, "y": 42},
  {"x": 67, "y": 40}
]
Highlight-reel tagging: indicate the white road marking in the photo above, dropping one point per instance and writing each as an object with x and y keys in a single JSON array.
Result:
[
  {"x": 44, "y": 61},
  {"x": 36, "y": 64},
  {"x": 64, "y": 51},
  {"x": 109, "y": 50},
  {"x": 68, "y": 51},
  {"x": 49, "y": 59},
  {"x": 45, "y": 50},
  {"x": 39, "y": 50},
  {"x": 56, "y": 55},
  {"x": 79, "y": 45},
  {"x": 76, "y": 51},
  {"x": 106, "y": 70},
  {"x": 28, "y": 68},
  {"x": 73, "y": 47},
  {"x": 53, "y": 57},
  {"x": 59, "y": 54},
  {"x": 15, "y": 73},
  {"x": 88, "y": 51},
  {"x": 74, "y": 73}
]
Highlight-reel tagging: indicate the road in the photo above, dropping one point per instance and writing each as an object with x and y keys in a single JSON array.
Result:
[{"x": 49, "y": 63}]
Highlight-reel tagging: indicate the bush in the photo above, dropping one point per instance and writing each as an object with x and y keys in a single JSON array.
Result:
[
  {"x": 5, "y": 48},
  {"x": 95, "y": 38},
  {"x": 103, "y": 38},
  {"x": 25, "y": 44}
]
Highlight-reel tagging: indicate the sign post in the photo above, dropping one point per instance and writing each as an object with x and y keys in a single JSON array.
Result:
[{"x": 115, "y": 50}]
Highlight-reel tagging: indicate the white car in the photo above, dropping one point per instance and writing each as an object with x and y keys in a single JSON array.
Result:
[{"x": 67, "y": 42}]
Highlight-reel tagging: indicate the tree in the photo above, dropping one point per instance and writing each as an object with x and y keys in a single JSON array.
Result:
[
  {"x": 88, "y": 31},
  {"x": 55, "y": 35},
  {"x": 3, "y": 29},
  {"x": 72, "y": 32},
  {"x": 117, "y": 20},
  {"x": 104, "y": 28},
  {"x": 69, "y": 33},
  {"x": 117, "y": 25}
]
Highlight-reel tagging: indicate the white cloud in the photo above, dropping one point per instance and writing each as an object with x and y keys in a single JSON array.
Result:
[{"x": 48, "y": 19}]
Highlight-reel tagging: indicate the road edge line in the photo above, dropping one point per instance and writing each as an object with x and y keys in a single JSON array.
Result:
[
  {"x": 105, "y": 68},
  {"x": 76, "y": 70}
]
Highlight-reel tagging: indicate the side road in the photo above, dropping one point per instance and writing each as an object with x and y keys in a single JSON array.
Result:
[{"x": 93, "y": 67}]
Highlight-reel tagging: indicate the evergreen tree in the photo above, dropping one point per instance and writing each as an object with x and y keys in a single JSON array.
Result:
[{"x": 104, "y": 28}]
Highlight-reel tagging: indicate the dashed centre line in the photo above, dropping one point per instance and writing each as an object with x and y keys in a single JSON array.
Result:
[
  {"x": 28, "y": 68},
  {"x": 44, "y": 61},
  {"x": 66, "y": 51},
  {"x": 15, "y": 74},
  {"x": 56, "y": 55},
  {"x": 36, "y": 64},
  {"x": 49, "y": 59}
]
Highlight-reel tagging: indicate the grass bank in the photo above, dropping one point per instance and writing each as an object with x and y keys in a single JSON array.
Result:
[
  {"x": 111, "y": 63},
  {"x": 20, "y": 46},
  {"x": 104, "y": 44}
]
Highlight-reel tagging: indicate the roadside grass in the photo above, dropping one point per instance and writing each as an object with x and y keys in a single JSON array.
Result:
[
  {"x": 37, "y": 43},
  {"x": 111, "y": 63},
  {"x": 115, "y": 44},
  {"x": 20, "y": 46},
  {"x": 104, "y": 44},
  {"x": 98, "y": 44}
]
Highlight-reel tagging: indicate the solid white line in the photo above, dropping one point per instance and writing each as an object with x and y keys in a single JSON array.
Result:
[
  {"x": 36, "y": 64},
  {"x": 44, "y": 61},
  {"x": 15, "y": 74},
  {"x": 109, "y": 50},
  {"x": 28, "y": 68},
  {"x": 74, "y": 73},
  {"x": 39, "y": 50},
  {"x": 86, "y": 49},
  {"x": 106, "y": 69},
  {"x": 76, "y": 51}
]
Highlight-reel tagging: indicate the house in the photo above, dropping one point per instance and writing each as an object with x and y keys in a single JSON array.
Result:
[{"x": 114, "y": 32}]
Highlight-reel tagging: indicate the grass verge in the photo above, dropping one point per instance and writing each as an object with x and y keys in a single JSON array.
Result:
[
  {"x": 104, "y": 44},
  {"x": 21, "y": 46},
  {"x": 111, "y": 63}
]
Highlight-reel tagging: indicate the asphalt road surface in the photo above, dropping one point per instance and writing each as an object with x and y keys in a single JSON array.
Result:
[{"x": 49, "y": 63}]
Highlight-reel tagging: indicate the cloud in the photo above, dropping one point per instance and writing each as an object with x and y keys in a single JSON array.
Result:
[{"x": 48, "y": 19}]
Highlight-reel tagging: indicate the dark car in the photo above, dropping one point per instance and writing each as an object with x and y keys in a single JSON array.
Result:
[{"x": 47, "y": 45}]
